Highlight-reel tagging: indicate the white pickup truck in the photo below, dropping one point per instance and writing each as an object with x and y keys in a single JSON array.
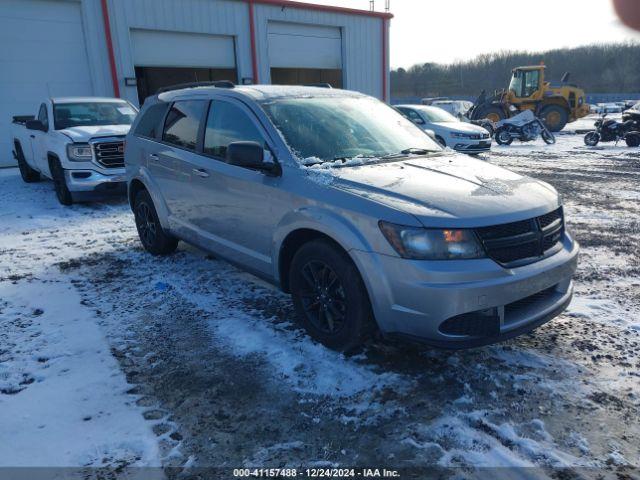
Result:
[{"x": 77, "y": 142}]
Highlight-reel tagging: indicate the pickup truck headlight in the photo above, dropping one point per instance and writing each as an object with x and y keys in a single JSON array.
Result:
[
  {"x": 432, "y": 244},
  {"x": 79, "y": 152}
]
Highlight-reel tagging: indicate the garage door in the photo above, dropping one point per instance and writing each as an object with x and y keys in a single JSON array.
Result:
[
  {"x": 43, "y": 55},
  {"x": 304, "y": 54},
  {"x": 167, "y": 58}
]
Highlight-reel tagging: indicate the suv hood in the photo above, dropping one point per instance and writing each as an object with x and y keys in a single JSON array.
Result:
[
  {"x": 84, "y": 134},
  {"x": 450, "y": 190}
]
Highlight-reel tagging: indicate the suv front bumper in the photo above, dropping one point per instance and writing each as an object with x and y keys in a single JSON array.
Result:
[{"x": 414, "y": 299}]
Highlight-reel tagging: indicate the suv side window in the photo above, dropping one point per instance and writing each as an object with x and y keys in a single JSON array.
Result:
[
  {"x": 226, "y": 124},
  {"x": 43, "y": 116},
  {"x": 151, "y": 122},
  {"x": 183, "y": 122}
]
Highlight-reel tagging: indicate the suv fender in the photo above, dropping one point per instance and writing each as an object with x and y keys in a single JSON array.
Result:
[
  {"x": 331, "y": 225},
  {"x": 142, "y": 176}
]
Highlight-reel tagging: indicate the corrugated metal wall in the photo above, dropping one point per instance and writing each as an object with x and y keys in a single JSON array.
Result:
[
  {"x": 362, "y": 35},
  {"x": 219, "y": 17},
  {"x": 361, "y": 42}
]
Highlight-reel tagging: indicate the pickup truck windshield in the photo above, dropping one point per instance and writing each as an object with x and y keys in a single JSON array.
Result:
[
  {"x": 326, "y": 129},
  {"x": 91, "y": 114}
]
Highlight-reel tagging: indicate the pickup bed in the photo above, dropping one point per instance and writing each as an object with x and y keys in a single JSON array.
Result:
[{"x": 76, "y": 142}]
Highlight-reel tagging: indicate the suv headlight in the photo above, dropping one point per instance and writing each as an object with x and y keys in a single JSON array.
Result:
[
  {"x": 79, "y": 152},
  {"x": 432, "y": 244}
]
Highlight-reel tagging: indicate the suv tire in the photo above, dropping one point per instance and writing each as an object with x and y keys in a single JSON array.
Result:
[
  {"x": 28, "y": 174},
  {"x": 152, "y": 236},
  {"x": 330, "y": 297}
]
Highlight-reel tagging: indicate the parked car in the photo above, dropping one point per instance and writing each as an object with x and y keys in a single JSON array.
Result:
[
  {"x": 450, "y": 131},
  {"x": 344, "y": 203},
  {"x": 632, "y": 113},
  {"x": 457, "y": 108},
  {"x": 610, "y": 107},
  {"x": 77, "y": 142}
]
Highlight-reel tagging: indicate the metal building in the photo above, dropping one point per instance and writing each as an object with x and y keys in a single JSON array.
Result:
[{"x": 130, "y": 48}]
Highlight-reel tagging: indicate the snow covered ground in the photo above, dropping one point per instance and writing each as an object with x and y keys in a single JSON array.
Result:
[{"x": 111, "y": 357}]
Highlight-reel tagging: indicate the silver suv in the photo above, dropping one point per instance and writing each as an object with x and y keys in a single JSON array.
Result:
[{"x": 344, "y": 203}]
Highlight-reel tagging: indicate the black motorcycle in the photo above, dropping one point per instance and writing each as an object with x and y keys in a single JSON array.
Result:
[
  {"x": 524, "y": 127},
  {"x": 609, "y": 130}
]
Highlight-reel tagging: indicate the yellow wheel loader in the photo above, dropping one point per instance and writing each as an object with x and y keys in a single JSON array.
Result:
[{"x": 555, "y": 105}]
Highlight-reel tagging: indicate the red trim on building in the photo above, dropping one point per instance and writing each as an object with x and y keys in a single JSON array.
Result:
[
  {"x": 254, "y": 53},
  {"x": 384, "y": 59},
  {"x": 323, "y": 8},
  {"x": 112, "y": 57}
]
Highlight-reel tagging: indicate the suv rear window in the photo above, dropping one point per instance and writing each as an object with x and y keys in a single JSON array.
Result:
[
  {"x": 150, "y": 123},
  {"x": 183, "y": 122}
]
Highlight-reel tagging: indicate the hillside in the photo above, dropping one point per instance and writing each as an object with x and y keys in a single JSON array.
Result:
[{"x": 602, "y": 68}]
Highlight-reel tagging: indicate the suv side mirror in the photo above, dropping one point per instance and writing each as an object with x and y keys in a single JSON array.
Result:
[
  {"x": 250, "y": 155},
  {"x": 419, "y": 121},
  {"x": 35, "y": 125}
]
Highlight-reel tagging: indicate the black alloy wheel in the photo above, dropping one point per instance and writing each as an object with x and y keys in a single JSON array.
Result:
[
  {"x": 323, "y": 297},
  {"x": 152, "y": 236},
  {"x": 330, "y": 297},
  {"x": 146, "y": 224}
]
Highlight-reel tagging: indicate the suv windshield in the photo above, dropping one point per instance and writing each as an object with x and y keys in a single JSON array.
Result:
[
  {"x": 90, "y": 114},
  {"x": 331, "y": 128}
]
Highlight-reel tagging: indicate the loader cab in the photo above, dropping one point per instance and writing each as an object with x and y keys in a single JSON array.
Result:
[{"x": 526, "y": 82}]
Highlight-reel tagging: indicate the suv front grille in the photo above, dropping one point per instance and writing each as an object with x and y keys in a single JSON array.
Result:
[
  {"x": 110, "y": 154},
  {"x": 519, "y": 243}
]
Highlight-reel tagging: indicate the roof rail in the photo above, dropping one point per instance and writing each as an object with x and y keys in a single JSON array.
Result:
[
  {"x": 318, "y": 85},
  {"x": 180, "y": 86}
]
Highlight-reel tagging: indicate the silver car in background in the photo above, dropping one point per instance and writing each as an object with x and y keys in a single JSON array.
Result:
[{"x": 341, "y": 201}]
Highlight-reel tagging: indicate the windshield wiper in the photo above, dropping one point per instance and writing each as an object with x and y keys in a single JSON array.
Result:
[
  {"x": 347, "y": 158},
  {"x": 410, "y": 151}
]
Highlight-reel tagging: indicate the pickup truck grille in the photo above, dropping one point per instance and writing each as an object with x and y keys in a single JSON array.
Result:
[
  {"x": 527, "y": 241},
  {"x": 110, "y": 154}
]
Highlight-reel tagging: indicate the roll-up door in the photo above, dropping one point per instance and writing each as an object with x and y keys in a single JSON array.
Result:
[
  {"x": 43, "y": 55},
  {"x": 305, "y": 54},
  {"x": 164, "y": 58}
]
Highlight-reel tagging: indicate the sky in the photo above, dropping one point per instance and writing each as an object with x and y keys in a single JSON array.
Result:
[{"x": 444, "y": 31}]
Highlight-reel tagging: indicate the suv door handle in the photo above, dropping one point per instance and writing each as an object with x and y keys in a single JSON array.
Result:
[
  {"x": 154, "y": 157},
  {"x": 201, "y": 172}
]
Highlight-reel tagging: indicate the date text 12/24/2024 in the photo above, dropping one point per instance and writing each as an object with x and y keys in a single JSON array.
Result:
[{"x": 315, "y": 473}]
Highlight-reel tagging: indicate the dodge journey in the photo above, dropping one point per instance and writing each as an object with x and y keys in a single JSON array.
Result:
[{"x": 342, "y": 202}]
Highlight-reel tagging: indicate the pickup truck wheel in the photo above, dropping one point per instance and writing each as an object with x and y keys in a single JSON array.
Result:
[
  {"x": 330, "y": 297},
  {"x": 28, "y": 174},
  {"x": 152, "y": 236},
  {"x": 60, "y": 183}
]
